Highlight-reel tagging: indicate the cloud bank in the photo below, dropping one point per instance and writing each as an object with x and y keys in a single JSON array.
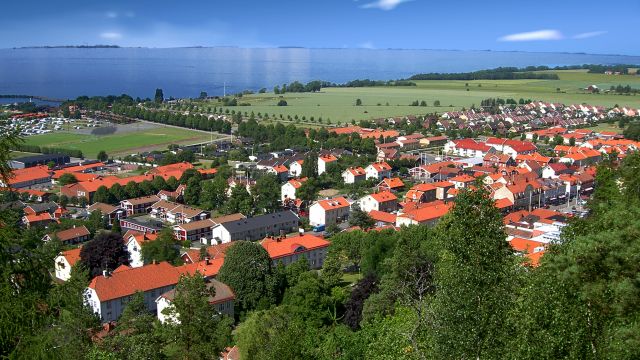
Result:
[{"x": 588, "y": 35}]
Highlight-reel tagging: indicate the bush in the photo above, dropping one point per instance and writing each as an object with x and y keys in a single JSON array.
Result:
[{"x": 282, "y": 103}]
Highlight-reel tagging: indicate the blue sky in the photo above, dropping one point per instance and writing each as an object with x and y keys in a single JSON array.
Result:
[{"x": 559, "y": 25}]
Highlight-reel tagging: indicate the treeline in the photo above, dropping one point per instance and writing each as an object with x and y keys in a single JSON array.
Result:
[
  {"x": 501, "y": 73},
  {"x": 280, "y": 137},
  {"x": 624, "y": 89},
  {"x": 317, "y": 85},
  {"x": 371, "y": 83},
  {"x": 48, "y": 150},
  {"x": 191, "y": 121}
]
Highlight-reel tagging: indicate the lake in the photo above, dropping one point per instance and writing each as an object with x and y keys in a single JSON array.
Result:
[{"x": 184, "y": 72}]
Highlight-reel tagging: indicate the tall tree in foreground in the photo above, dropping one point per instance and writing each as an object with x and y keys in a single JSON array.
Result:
[
  {"x": 247, "y": 270},
  {"x": 164, "y": 248},
  {"x": 267, "y": 197},
  {"x": 199, "y": 333},
  {"x": 475, "y": 280},
  {"x": 310, "y": 166}
]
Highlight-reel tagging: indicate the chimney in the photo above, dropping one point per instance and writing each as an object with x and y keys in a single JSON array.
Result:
[
  {"x": 154, "y": 262},
  {"x": 105, "y": 273},
  {"x": 206, "y": 260}
]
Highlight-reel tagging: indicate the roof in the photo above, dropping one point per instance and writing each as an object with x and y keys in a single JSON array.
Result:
[
  {"x": 381, "y": 166},
  {"x": 526, "y": 245},
  {"x": 72, "y": 255},
  {"x": 297, "y": 183},
  {"x": 104, "y": 208},
  {"x": 335, "y": 203},
  {"x": 327, "y": 158},
  {"x": 222, "y": 292},
  {"x": 427, "y": 213},
  {"x": 69, "y": 234},
  {"x": 194, "y": 225},
  {"x": 393, "y": 183},
  {"x": 281, "y": 247},
  {"x": 383, "y": 196},
  {"x": 142, "y": 238},
  {"x": 206, "y": 268},
  {"x": 356, "y": 171},
  {"x": 463, "y": 178},
  {"x": 33, "y": 218},
  {"x": 127, "y": 282},
  {"x": 226, "y": 218},
  {"x": 143, "y": 200},
  {"x": 247, "y": 224},
  {"x": 29, "y": 174},
  {"x": 503, "y": 203},
  {"x": 382, "y": 216},
  {"x": 472, "y": 145}
]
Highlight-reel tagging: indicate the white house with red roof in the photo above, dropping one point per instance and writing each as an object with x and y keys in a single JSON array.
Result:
[
  {"x": 288, "y": 189},
  {"x": 295, "y": 168},
  {"x": 324, "y": 161},
  {"x": 511, "y": 147},
  {"x": 426, "y": 215},
  {"x": 289, "y": 250},
  {"x": 107, "y": 295},
  {"x": 466, "y": 147},
  {"x": 64, "y": 262},
  {"x": 378, "y": 170},
  {"x": 329, "y": 212},
  {"x": 134, "y": 242},
  {"x": 382, "y": 201},
  {"x": 353, "y": 175}
]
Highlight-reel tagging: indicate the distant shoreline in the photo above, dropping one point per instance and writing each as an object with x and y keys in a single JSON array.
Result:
[{"x": 302, "y": 48}]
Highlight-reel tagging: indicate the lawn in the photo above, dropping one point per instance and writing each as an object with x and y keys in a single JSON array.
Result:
[
  {"x": 119, "y": 144},
  {"x": 607, "y": 127},
  {"x": 338, "y": 104}
]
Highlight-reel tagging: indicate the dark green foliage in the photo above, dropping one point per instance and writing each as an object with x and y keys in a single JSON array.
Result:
[
  {"x": 164, "y": 248},
  {"x": 360, "y": 218},
  {"x": 363, "y": 289},
  {"x": 247, "y": 270},
  {"x": 102, "y": 156},
  {"x": 267, "y": 194},
  {"x": 106, "y": 251},
  {"x": 67, "y": 178}
]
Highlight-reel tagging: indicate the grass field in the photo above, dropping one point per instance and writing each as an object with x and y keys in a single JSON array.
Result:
[
  {"x": 607, "y": 127},
  {"x": 119, "y": 144},
  {"x": 338, "y": 104}
]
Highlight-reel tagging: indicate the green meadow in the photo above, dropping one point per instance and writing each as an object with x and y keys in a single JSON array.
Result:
[
  {"x": 338, "y": 104},
  {"x": 119, "y": 144}
]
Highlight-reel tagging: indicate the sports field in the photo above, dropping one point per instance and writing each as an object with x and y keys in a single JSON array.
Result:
[
  {"x": 156, "y": 138},
  {"x": 338, "y": 104}
]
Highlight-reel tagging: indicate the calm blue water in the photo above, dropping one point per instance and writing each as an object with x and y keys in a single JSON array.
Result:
[{"x": 184, "y": 72}]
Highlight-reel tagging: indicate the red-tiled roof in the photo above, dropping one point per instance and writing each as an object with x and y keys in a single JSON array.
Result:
[
  {"x": 381, "y": 166},
  {"x": 428, "y": 213},
  {"x": 393, "y": 183},
  {"x": 29, "y": 174},
  {"x": 384, "y": 196},
  {"x": 383, "y": 216},
  {"x": 335, "y": 203},
  {"x": 72, "y": 255},
  {"x": 127, "y": 282},
  {"x": 356, "y": 171},
  {"x": 278, "y": 248}
]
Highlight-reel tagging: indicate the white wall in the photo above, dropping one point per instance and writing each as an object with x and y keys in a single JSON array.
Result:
[
  {"x": 63, "y": 269},
  {"x": 135, "y": 253}
]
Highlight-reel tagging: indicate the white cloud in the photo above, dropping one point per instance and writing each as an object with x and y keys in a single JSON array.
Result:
[
  {"x": 111, "y": 14},
  {"x": 384, "y": 4},
  {"x": 534, "y": 36},
  {"x": 367, "y": 45},
  {"x": 590, "y": 34},
  {"x": 110, "y": 35}
]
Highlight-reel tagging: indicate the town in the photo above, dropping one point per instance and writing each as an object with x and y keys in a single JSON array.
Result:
[{"x": 165, "y": 215}]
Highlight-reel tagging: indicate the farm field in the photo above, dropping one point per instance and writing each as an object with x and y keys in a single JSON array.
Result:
[
  {"x": 153, "y": 138},
  {"x": 338, "y": 104}
]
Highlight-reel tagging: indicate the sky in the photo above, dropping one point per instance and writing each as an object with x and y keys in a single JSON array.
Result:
[{"x": 588, "y": 26}]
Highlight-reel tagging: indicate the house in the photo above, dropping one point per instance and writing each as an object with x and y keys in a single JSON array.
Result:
[
  {"x": 378, "y": 171},
  {"x": 288, "y": 189},
  {"x": 280, "y": 171},
  {"x": 498, "y": 160},
  {"x": 512, "y": 147},
  {"x": 387, "y": 154},
  {"x": 295, "y": 168},
  {"x": 176, "y": 213},
  {"x": 462, "y": 181},
  {"x": 222, "y": 300},
  {"x": 107, "y": 295},
  {"x": 134, "y": 241},
  {"x": 428, "y": 215},
  {"x": 554, "y": 170},
  {"x": 27, "y": 177},
  {"x": 75, "y": 235},
  {"x": 172, "y": 195},
  {"x": 109, "y": 212},
  {"x": 390, "y": 184},
  {"x": 139, "y": 205},
  {"x": 289, "y": 250},
  {"x": 143, "y": 224},
  {"x": 324, "y": 161},
  {"x": 433, "y": 141},
  {"x": 42, "y": 219},
  {"x": 255, "y": 228},
  {"x": 382, "y": 201},
  {"x": 65, "y": 262},
  {"x": 466, "y": 147},
  {"x": 329, "y": 212},
  {"x": 353, "y": 175},
  {"x": 383, "y": 218},
  {"x": 421, "y": 193},
  {"x": 200, "y": 230}
]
